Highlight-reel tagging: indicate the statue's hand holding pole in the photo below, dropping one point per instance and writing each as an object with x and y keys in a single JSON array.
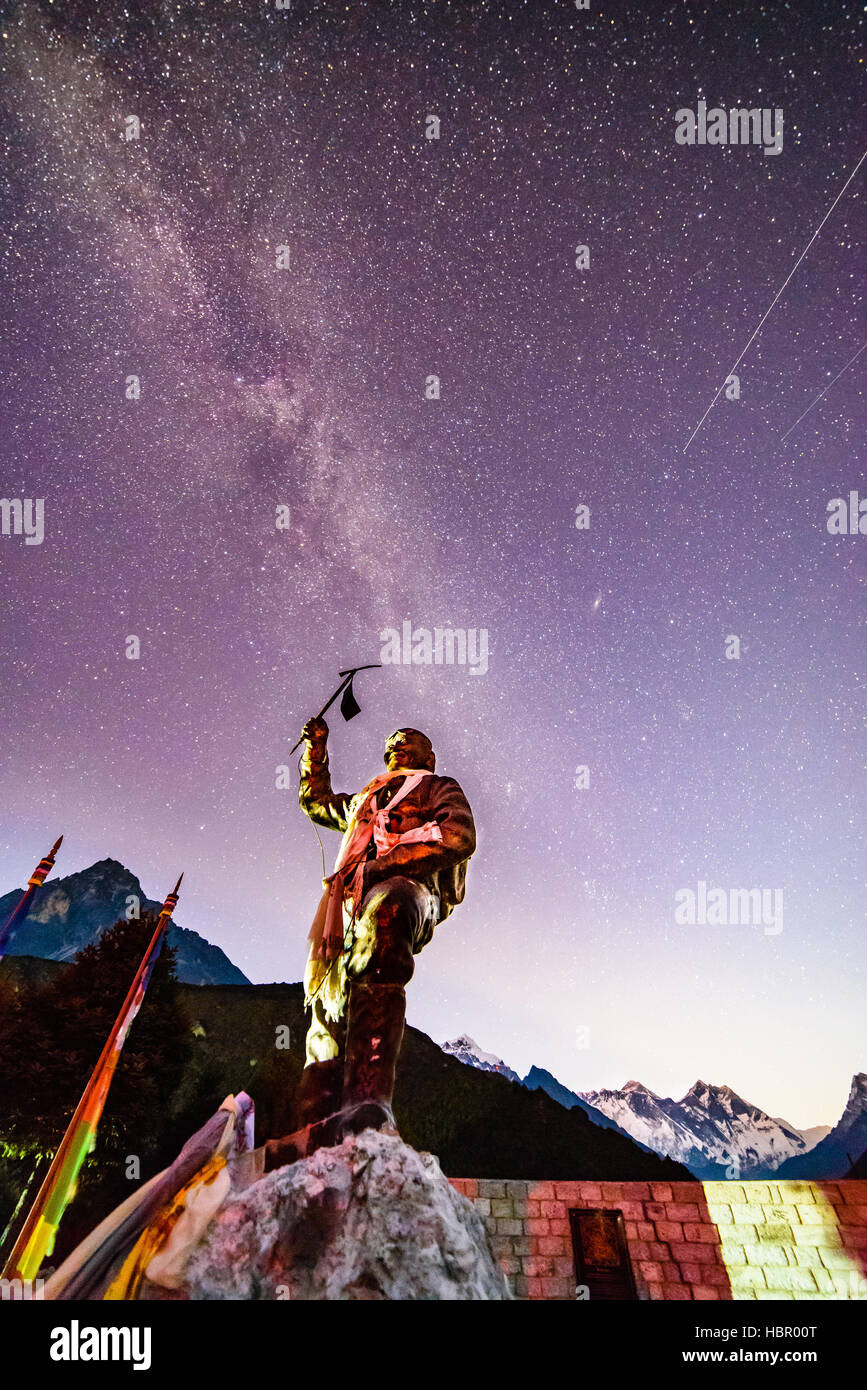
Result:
[{"x": 315, "y": 733}]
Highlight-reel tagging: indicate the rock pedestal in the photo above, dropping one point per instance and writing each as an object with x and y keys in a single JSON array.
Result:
[{"x": 369, "y": 1219}]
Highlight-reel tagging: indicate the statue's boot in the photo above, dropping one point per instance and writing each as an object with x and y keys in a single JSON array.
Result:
[
  {"x": 317, "y": 1101},
  {"x": 373, "y": 1038},
  {"x": 320, "y": 1091}
]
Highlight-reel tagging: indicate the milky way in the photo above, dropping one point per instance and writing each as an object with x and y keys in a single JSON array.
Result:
[{"x": 305, "y": 387}]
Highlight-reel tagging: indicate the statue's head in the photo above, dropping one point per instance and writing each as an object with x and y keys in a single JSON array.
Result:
[{"x": 409, "y": 748}]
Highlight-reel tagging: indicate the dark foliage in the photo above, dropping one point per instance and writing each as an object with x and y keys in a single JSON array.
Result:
[
  {"x": 51, "y": 1035},
  {"x": 198, "y": 1044}
]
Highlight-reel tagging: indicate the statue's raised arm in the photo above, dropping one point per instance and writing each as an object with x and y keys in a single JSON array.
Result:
[{"x": 318, "y": 801}]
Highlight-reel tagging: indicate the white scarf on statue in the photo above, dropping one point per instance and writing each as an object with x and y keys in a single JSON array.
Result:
[{"x": 368, "y": 821}]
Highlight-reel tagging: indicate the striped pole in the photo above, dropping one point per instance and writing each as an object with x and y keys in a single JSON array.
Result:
[
  {"x": 36, "y": 1237},
  {"x": 19, "y": 912}
]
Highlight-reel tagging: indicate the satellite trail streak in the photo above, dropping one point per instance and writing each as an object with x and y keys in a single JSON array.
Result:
[
  {"x": 756, "y": 331},
  {"x": 825, "y": 392}
]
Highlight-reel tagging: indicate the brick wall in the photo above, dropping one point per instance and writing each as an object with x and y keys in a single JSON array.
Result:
[{"x": 687, "y": 1240}]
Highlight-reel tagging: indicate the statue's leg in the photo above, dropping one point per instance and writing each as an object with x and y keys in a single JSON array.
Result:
[
  {"x": 319, "y": 1096},
  {"x": 325, "y": 1038},
  {"x": 395, "y": 916},
  {"x": 320, "y": 1090}
]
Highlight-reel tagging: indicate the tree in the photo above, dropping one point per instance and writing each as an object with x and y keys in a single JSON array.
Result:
[{"x": 50, "y": 1040}]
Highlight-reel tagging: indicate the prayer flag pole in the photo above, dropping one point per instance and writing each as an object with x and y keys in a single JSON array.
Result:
[
  {"x": 20, "y": 911},
  {"x": 36, "y": 1237}
]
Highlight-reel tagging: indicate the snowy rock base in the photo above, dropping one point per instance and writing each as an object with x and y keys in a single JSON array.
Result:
[{"x": 369, "y": 1219}]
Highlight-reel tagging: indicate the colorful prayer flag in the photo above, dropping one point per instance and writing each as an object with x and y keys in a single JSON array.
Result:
[{"x": 36, "y": 1238}]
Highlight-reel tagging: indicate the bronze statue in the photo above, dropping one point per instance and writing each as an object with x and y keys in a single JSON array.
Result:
[{"x": 401, "y": 870}]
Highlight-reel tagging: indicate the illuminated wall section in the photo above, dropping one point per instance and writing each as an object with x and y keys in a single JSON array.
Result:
[{"x": 685, "y": 1240}]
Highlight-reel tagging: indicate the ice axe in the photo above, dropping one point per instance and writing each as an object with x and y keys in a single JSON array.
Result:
[{"x": 349, "y": 706}]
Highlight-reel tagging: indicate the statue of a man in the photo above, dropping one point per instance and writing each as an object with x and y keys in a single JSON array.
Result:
[{"x": 407, "y": 837}]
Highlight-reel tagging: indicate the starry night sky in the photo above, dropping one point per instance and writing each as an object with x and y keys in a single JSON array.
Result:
[{"x": 305, "y": 388}]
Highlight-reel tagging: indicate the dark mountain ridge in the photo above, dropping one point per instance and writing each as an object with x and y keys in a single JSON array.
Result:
[
  {"x": 69, "y": 913},
  {"x": 839, "y": 1151}
]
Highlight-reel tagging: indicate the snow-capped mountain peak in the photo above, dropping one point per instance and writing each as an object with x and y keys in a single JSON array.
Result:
[
  {"x": 467, "y": 1050},
  {"x": 709, "y": 1128}
]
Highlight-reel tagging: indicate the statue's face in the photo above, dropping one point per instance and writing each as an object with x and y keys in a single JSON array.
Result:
[{"x": 409, "y": 748}]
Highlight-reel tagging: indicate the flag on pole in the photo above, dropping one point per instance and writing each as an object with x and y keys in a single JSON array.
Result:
[
  {"x": 20, "y": 911},
  {"x": 36, "y": 1238},
  {"x": 349, "y": 706}
]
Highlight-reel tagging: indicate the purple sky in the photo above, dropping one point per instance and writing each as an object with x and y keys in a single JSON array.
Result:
[{"x": 305, "y": 387}]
